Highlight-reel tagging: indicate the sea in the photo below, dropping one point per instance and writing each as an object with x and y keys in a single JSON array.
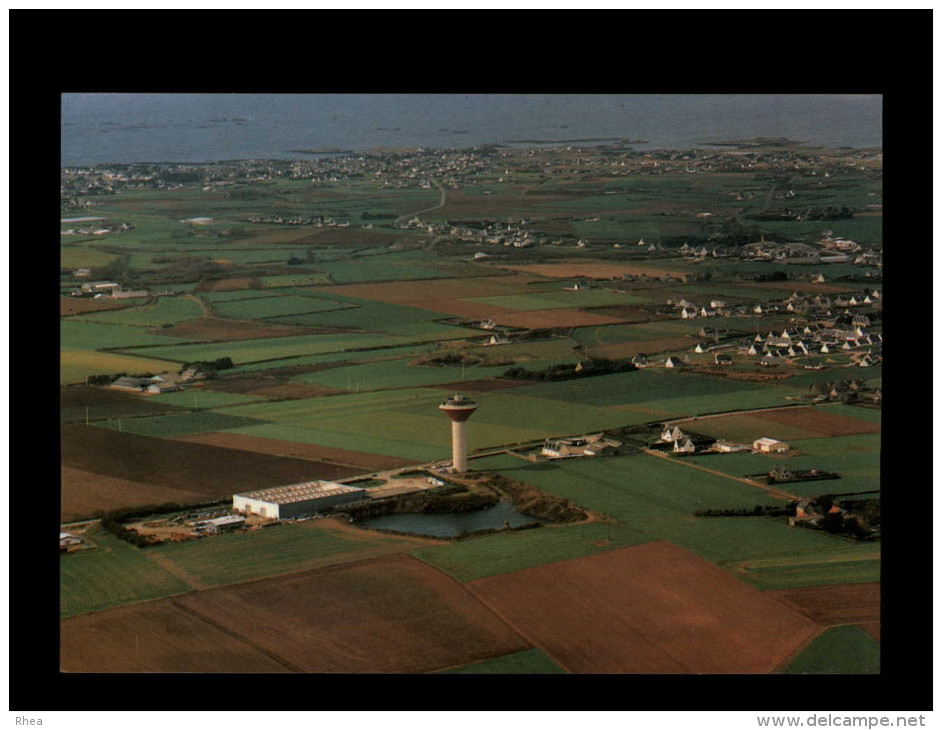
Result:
[{"x": 149, "y": 127}]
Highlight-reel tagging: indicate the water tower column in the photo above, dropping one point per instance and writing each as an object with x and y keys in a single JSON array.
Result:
[
  {"x": 459, "y": 446},
  {"x": 458, "y": 408}
]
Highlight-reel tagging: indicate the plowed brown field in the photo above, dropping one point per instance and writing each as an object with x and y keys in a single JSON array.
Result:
[
  {"x": 268, "y": 386},
  {"x": 450, "y": 298},
  {"x": 104, "y": 402},
  {"x": 410, "y": 293},
  {"x": 69, "y": 306},
  {"x": 359, "y": 460},
  {"x": 821, "y": 421},
  {"x": 216, "y": 329},
  {"x": 236, "y": 284},
  {"x": 391, "y": 614},
  {"x": 85, "y": 493},
  {"x": 210, "y": 471},
  {"x": 652, "y": 608},
  {"x": 156, "y": 637},
  {"x": 852, "y": 603}
]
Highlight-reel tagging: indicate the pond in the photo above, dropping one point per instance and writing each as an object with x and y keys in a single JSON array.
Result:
[{"x": 451, "y": 524}]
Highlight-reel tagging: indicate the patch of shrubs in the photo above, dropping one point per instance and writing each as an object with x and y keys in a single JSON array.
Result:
[{"x": 568, "y": 371}]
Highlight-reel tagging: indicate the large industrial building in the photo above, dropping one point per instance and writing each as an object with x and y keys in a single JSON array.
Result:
[{"x": 295, "y": 500}]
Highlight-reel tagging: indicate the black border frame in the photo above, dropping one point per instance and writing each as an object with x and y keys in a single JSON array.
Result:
[{"x": 883, "y": 52}]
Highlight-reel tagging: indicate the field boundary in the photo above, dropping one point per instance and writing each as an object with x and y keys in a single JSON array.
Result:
[
  {"x": 780, "y": 494},
  {"x": 235, "y": 635},
  {"x": 800, "y": 648},
  {"x": 506, "y": 622},
  {"x": 175, "y": 570}
]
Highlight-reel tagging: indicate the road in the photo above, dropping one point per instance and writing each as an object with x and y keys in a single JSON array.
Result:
[{"x": 441, "y": 203}]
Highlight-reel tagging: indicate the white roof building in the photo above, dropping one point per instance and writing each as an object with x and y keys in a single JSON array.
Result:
[
  {"x": 293, "y": 500},
  {"x": 768, "y": 446}
]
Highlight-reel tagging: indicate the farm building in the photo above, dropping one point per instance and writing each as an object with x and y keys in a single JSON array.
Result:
[
  {"x": 769, "y": 446},
  {"x": 579, "y": 446},
  {"x": 129, "y": 383},
  {"x": 162, "y": 387},
  {"x": 293, "y": 500},
  {"x": 728, "y": 447},
  {"x": 127, "y": 294},
  {"x": 222, "y": 524},
  {"x": 67, "y": 540},
  {"x": 100, "y": 286},
  {"x": 564, "y": 447}
]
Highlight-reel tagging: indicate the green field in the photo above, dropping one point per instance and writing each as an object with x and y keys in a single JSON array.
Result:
[
  {"x": 372, "y": 316},
  {"x": 167, "y": 310},
  {"x": 239, "y": 295},
  {"x": 243, "y": 556},
  {"x": 113, "y": 574},
  {"x": 76, "y": 335},
  {"x": 179, "y": 424},
  {"x": 75, "y": 257},
  {"x": 246, "y": 351},
  {"x": 871, "y": 415},
  {"x": 531, "y": 661},
  {"x": 657, "y": 497},
  {"x": 404, "y": 423},
  {"x": 617, "y": 333},
  {"x": 76, "y": 365},
  {"x": 361, "y": 270},
  {"x": 856, "y": 458},
  {"x": 495, "y": 554},
  {"x": 202, "y": 398},
  {"x": 281, "y": 306},
  {"x": 861, "y": 564},
  {"x": 352, "y": 357},
  {"x": 395, "y": 374},
  {"x": 662, "y": 390},
  {"x": 354, "y": 439},
  {"x": 841, "y": 650}
]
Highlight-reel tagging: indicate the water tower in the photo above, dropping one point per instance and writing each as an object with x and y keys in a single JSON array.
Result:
[{"x": 459, "y": 409}]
